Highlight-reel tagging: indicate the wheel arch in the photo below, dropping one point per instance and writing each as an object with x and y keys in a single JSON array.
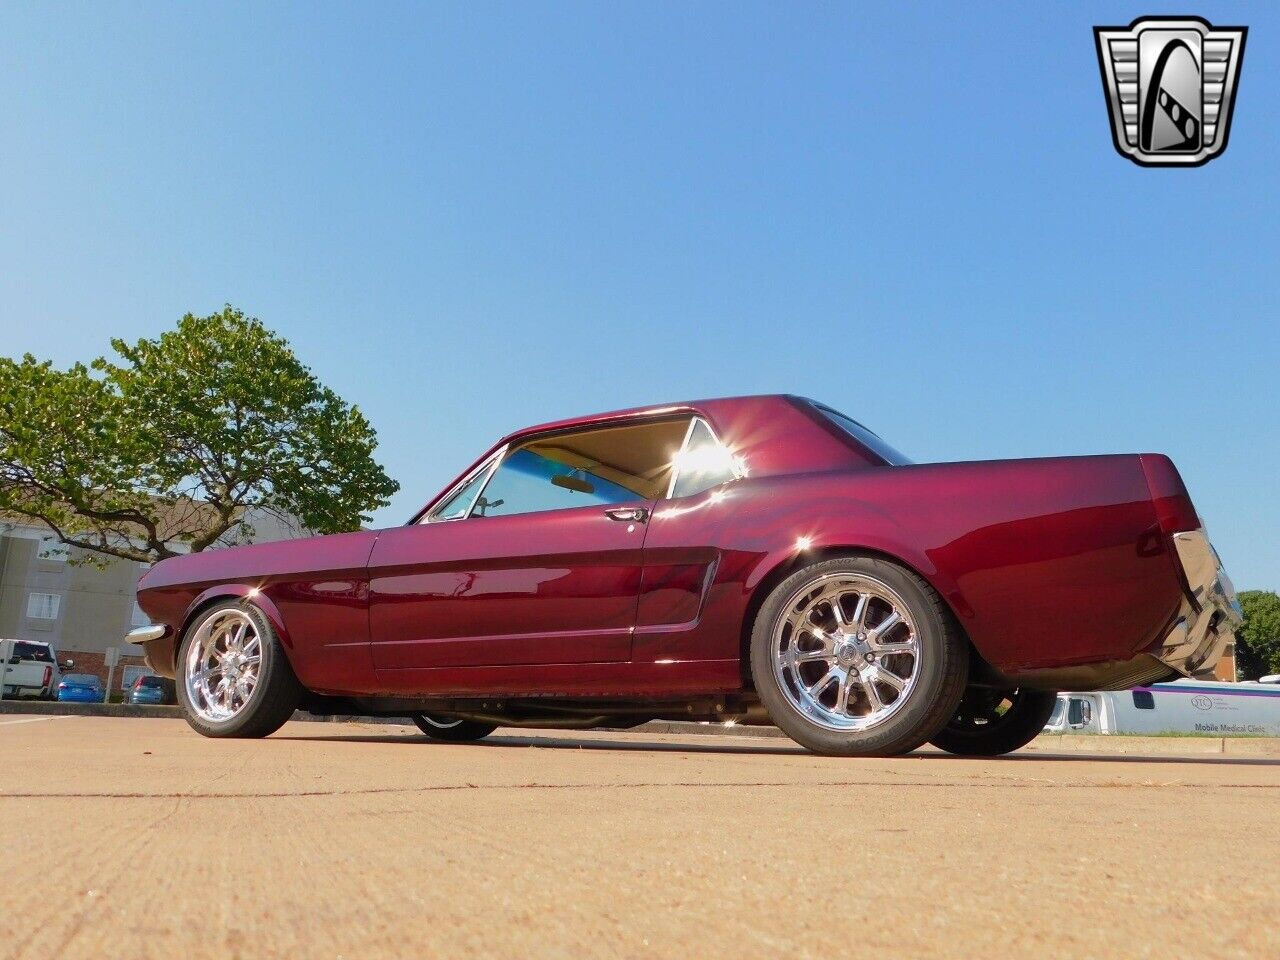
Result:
[
  {"x": 773, "y": 573},
  {"x": 233, "y": 591}
]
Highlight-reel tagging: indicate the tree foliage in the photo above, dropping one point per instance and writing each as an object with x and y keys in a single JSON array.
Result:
[
  {"x": 166, "y": 445},
  {"x": 1258, "y": 641}
]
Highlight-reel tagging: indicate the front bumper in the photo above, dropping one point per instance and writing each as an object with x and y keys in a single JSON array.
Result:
[
  {"x": 157, "y": 643},
  {"x": 1210, "y": 611}
]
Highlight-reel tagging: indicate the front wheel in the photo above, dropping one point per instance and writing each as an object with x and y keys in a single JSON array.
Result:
[
  {"x": 857, "y": 657},
  {"x": 453, "y": 731},
  {"x": 233, "y": 677},
  {"x": 991, "y": 722}
]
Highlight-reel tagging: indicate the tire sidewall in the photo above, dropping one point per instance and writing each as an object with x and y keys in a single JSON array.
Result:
[
  {"x": 1027, "y": 718},
  {"x": 250, "y": 720},
  {"x": 464, "y": 731},
  {"x": 910, "y": 726}
]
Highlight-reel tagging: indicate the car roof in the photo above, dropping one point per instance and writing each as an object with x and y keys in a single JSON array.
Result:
[{"x": 653, "y": 410}]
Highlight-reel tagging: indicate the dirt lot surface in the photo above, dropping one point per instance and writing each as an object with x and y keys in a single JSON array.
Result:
[{"x": 138, "y": 838}]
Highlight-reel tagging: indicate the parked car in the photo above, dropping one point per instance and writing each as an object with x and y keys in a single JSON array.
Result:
[
  {"x": 81, "y": 688},
  {"x": 761, "y": 559},
  {"x": 28, "y": 669},
  {"x": 1183, "y": 706},
  {"x": 149, "y": 688}
]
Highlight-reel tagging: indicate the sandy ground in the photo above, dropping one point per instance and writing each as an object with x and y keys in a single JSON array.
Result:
[{"x": 137, "y": 838}]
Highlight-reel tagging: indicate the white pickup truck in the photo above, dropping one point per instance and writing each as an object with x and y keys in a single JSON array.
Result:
[{"x": 28, "y": 669}]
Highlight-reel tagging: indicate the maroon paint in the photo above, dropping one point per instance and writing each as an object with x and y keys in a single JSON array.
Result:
[{"x": 1046, "y": 563}]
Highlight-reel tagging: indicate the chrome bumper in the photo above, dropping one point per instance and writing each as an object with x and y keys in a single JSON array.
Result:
[
  {"x": 1210, "y": 612},
  {"x": 157, "y": 647},
  {"x": 152, "y": 631}
]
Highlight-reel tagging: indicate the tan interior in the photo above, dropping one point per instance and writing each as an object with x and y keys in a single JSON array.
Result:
[{"x": 636, "y": 457}]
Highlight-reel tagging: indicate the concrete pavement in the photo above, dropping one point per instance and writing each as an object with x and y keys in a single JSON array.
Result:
[{"x": 140, "y": 839}]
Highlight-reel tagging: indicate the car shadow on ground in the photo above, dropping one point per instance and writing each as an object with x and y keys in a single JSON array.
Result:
[{"x": 724, "y": 746}]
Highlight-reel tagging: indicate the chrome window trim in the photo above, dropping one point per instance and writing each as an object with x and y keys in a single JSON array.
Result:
[
  {"x": 487, "y": 467},
  {"x": 734, "y": 464}
]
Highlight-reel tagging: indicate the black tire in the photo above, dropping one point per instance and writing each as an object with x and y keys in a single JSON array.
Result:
[
  {"x": 988, "y": 723},
  {"x": 275, "y": 696},
  {"x": 938, "y": 681},
  {"x": 453, "y": 731}
]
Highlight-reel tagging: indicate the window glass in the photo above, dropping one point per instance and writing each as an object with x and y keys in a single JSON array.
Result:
[
  {"x": 529, "y": 482},
  {"x": 864, "y": 436},
  {"x": 43, "y": 606},
  {"x": 598, "y": 467},
  {"x": 1144, "y": 700},
  {"x": 32, "y": 651},
  {"x": 458, "y": 505},
  {"x": 702, "y": 464}
]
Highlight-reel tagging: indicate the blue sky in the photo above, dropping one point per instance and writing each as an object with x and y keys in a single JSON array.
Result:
[{"x": 467, "y": 218}]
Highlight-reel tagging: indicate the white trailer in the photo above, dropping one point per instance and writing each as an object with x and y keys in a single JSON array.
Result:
[{"x": 1183, "y": 706}]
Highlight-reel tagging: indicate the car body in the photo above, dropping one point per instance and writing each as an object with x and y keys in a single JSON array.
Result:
[
  {"x": 503, "y": 601},
  {"x": 28, "y": 669},
  {"x": 81, "y": 688},
  {"x": 152, "y": 689}
]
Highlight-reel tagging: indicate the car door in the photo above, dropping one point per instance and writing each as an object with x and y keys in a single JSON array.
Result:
[{"x": 535, "y": 559}]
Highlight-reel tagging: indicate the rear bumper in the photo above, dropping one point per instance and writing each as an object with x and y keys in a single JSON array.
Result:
[{"x": 1210, "y": 612}]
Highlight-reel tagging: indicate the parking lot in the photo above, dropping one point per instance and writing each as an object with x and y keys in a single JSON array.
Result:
[{"x": 137, "y": 838}]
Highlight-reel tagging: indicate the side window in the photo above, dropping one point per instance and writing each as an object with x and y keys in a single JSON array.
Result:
[
  {"x": 590, "y": 468},
  {"x": 457, "y": 506},
  {"x": 1144, "y": 700},
  {"x": 703, "y": 463}
]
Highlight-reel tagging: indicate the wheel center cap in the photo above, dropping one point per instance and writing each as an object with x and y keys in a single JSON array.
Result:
[{"x": 847, "y": 654}]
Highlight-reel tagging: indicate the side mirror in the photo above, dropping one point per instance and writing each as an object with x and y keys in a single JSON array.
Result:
[{"x": 66, "y": 664}]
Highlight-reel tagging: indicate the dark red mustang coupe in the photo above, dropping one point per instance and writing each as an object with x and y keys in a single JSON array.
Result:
[{"x": 758, "y": 559}]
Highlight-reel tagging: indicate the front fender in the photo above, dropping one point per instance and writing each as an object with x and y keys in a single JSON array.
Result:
[{"x": 237, "y": 590}]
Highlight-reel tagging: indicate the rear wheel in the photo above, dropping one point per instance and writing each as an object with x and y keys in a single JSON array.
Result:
[
  {"x": 234, "y": 679},
  {"x": 857, "y": 656},
  {"x": 454, "y": 731},
  {"x": 988, "y": 723}
]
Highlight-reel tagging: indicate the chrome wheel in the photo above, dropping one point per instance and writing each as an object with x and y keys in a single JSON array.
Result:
[
  {"x": 223, "y": 664},
  {"x": 845, "y": 651},
  {"x": 439, "y": 724}
]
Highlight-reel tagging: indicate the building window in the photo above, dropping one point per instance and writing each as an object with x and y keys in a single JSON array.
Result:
[
  {"x": 51, "y": 549},
  {"x": 140, "y": 619},
  {"x": 43, "y": 606}
]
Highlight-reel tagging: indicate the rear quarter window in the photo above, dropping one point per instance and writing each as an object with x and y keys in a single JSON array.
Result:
[{"x": 872, "y": 441}]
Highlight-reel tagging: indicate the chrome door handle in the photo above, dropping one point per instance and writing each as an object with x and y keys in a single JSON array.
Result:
[{"x": 628, "y": 514}]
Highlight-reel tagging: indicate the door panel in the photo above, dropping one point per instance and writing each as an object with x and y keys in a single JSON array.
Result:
[{"x": 553, "y": 587}]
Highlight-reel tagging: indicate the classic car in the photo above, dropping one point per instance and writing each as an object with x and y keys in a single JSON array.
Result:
[{"x": 755, "y": 560}]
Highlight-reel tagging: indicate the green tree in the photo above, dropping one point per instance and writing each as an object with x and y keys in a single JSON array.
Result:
[
  {"x": 163, "y": 448},
  {"x": 1258, "y": 641}
]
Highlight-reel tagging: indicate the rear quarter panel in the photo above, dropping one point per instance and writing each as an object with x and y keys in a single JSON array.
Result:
[{"x": 1046, "y": 562}]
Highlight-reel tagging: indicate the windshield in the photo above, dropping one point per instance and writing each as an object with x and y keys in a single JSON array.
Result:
[
  {"x": 87, "y": 679},
  {"x": 864, "y": 436}
]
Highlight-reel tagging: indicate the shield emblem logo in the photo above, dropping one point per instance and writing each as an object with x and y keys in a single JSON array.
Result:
[{"x": 1170, "y": 84}]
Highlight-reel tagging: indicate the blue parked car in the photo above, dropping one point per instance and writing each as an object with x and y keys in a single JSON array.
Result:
[
  {"x": 81, "y": 688},
  {"x": 152, "y": 689}
]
